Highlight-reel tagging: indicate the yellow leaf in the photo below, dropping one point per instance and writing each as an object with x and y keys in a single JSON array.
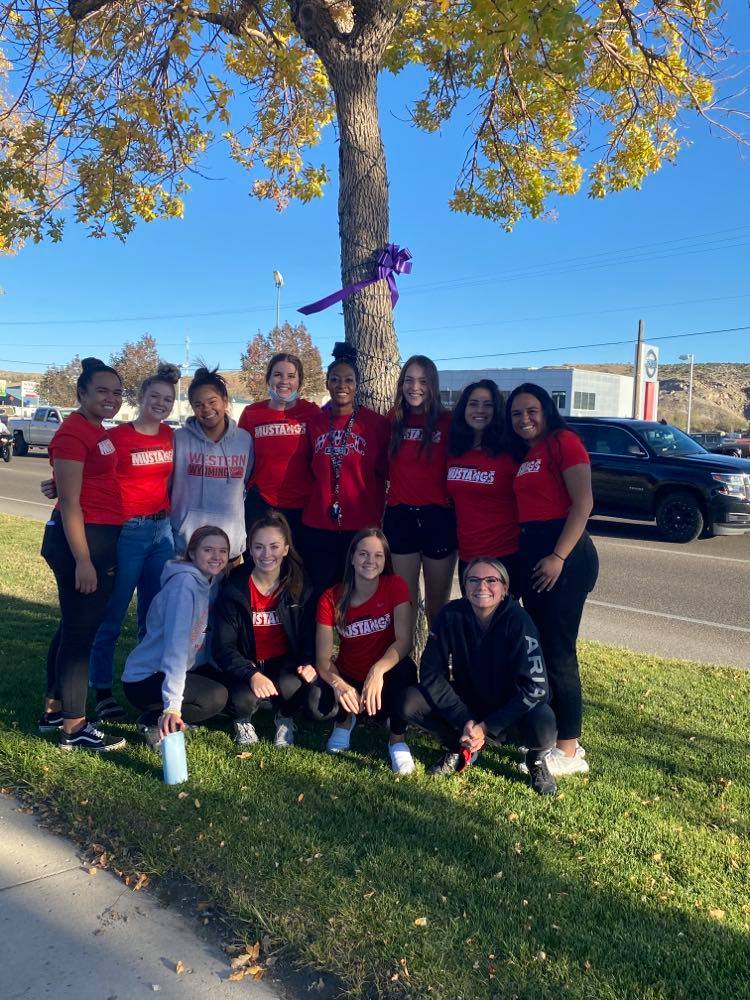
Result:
[
  {"x": 717, "y": 914},
  {"x": 179, "y": 967},
  {"x": 420, "y": 922},
  {"x": 301, "y": 797}
]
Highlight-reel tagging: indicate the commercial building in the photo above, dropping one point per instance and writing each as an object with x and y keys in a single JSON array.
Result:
[{"x": 577, "y": 392}]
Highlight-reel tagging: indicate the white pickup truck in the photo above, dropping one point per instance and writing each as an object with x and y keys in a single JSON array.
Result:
[{"x": 38, "y": 431}]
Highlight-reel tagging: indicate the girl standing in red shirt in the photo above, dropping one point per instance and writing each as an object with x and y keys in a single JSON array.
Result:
[
  {"x": 558, "y": 561},
  {"x": 349, "y": 445},
  {"x": 419, "y": 521},
  {"x": 480, "y": 480},
  {"x": 281, "y": 478},
  {"x": 145, "y": 453},
  {"x": 80, "y": 547},
  {"x": 372, "y": 613}
]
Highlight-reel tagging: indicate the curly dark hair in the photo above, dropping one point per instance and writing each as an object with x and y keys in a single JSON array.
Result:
[
  {"x": 552, "y": 420},
  {"x": 89, "y": 368},
  {"x": 344, "y": 354},
  {"x": 208, "y": 376},
  {"x": 461, "y": 436}
]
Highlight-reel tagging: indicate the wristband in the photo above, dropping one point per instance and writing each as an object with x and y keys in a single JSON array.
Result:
[
  {"x": 172, "y": 711},
  {"x": 562, "y": 560}
]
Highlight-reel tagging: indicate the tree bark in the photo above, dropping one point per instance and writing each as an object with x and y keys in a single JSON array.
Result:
[
  {"x": 363, "y": 229},
  {"x": 352, "y": 61}
]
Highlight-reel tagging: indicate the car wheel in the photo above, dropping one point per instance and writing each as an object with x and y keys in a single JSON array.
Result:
[
  {"x": 679, "y": 517},
  {"x": 734, "y": 453},
  {"x": 19, "y": 444}
]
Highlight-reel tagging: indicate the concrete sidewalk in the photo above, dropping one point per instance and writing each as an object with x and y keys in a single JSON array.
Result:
[{"x": 66, "y": 933}]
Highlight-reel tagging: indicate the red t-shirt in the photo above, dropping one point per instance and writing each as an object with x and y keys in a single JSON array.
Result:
[
  {"x": 282, "y": 451},
  {"x": 78, "y": 440},
  {"x": 541, "y": 493},
  {"x": 416, "y": 477},
  {"x": 481, "y": 486},
  {"x": 369, "y": 628},
  {"x": 144, "y": 465},
  {"x": 268, "y": 632},
  {"x": 364, "y": 466}
]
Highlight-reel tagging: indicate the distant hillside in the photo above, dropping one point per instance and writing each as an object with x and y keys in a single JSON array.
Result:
[{"x": 721, "y": 394}]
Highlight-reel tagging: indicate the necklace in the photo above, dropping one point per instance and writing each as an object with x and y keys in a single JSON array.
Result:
[{"x": 337, "y": 453}]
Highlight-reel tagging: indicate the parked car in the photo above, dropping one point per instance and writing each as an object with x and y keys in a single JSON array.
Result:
[
  {"x": 644, "y": 470},
  {"x": 736, "y": 445}
]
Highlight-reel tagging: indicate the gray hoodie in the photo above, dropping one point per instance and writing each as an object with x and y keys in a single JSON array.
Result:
[
  {"x": 208, "y": 483},
  {"x": 176, "y": 627}
]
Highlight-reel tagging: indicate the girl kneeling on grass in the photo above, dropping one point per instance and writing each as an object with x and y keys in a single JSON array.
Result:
[
  {"x": 483, "y": 675},
  {"x": 372, "y": 613},
  {"x": 264, "y": 629},
  {"x": 160, "y": 676}
]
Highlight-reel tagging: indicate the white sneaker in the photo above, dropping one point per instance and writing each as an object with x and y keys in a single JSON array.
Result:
[
  {"x": 402, "y": 761},
  {"x": 244, "y": 733},
  {"x": 284, "y": 732},
  {"x": 340, "y": 738},
  {"x": 560, "y": 764}
]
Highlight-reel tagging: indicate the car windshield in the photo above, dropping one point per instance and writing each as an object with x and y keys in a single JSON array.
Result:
[{"x": 670, "y": 441}]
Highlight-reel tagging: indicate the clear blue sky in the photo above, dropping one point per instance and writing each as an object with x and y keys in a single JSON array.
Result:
[{"x": 475, "y": 290}]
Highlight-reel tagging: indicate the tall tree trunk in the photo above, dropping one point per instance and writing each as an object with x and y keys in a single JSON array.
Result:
[{"x": 363, "y": 227}]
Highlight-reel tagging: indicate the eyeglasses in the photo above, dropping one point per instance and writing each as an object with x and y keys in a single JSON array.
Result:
[{"x": 491, "y": 581}]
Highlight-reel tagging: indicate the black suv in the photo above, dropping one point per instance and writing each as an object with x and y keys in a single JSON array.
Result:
[{"x": 645, "y": 470}]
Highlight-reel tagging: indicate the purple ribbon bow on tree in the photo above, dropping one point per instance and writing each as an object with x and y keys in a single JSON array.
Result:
[{"x": 391, "y": 261}]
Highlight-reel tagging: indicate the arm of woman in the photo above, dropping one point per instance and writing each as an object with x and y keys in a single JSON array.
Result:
[
  {"x": 346, "y": 695},
  {"x": 69, "y": 479},
  {"x": 578, "y": 483},
  {"x": 372, "y": 689}
]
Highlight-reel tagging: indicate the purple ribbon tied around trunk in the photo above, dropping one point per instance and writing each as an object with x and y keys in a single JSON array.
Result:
[{"x": 392, "y": 260}]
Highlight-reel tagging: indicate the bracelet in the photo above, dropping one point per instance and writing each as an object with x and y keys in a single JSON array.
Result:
[
  {"x": 562, "y": 560},
  {"x": 172, "y": 711}
]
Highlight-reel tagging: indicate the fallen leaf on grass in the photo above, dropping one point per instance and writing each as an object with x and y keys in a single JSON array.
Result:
[
  {"x": 420, "y": 922},
  {"x": 301, "y": 797},
  {"x": 717, "y": 914},
  {"x": 251, "y": 955},
  {"x": 245, "y": 755},
  {"x": 256, "y": 971},
  {"x": 197, "y": 803},
  {"x": 182, "y": 795}
]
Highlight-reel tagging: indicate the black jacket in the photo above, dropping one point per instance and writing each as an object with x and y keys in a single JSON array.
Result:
[
  {"x": 233, "y": 637},
  {"x": 493, "y": 676}
]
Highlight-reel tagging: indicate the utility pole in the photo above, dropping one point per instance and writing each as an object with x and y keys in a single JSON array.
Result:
[
  {"x": 184, "y": 368},
  {"x": 638, "y": 378},
  {"x": 279, "y": 282},
  {"x": 691, "y": 359}
]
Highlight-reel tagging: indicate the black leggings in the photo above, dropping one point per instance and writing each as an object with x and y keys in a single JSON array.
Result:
[
  {"x": 324, "y": 555},
  {"x": 80, "y": 614},
  {"x": 557, "y": 615},
  {"x": 536, "y": 729},
  {"x": 292, "y": 689},
  {"x": 321, "y": 702},
  {"x": 207, "y": 692}
]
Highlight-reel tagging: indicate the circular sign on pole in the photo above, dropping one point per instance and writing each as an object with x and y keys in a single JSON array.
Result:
[{"x": 651, "y": 363}]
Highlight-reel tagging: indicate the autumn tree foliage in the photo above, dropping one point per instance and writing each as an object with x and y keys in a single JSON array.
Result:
[
  {"x": 295, "y": 340},
  {"x": 106, "y": 106},
  {"x": 134, "y": 362},
  {"x": 58, "y": 384}
]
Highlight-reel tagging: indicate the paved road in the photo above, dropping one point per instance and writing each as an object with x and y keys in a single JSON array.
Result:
[{"x": 690, "y": 601}]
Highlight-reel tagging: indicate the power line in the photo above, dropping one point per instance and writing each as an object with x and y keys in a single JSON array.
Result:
[
  {"x": 505, "y": 354},
  {"x": 563, "y": 266}
]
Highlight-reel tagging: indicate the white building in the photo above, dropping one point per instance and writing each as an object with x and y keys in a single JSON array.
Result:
[{"x": 576, "y": 392}]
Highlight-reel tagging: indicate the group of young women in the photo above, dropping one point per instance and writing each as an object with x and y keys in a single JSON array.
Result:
[{"x": 319, "y": 618}]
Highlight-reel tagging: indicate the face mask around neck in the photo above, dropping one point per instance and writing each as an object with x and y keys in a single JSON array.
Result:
[{"x": 276, "y": 398}]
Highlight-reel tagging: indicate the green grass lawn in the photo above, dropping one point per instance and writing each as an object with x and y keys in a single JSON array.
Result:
[{"x": 632, "y": 883}]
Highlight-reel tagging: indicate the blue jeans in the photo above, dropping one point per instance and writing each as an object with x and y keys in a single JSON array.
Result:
[{"x": 143, "y": 548}]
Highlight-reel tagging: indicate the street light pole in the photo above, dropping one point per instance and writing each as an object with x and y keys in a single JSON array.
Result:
[
  {"x": 691, "y": 359},
  {"x": 279, "y": 282}
]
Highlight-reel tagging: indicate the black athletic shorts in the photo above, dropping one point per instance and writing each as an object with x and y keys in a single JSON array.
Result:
[{"x": 430, "y": 530}]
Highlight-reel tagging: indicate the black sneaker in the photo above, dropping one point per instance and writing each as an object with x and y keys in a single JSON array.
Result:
[
  {"x": 107, "y": 709},
  {"x": 541, "y": 780},
  {"x": 452, "y": 763},
  {"x": 50, "y": 721},
  {"x": 90, "y": 738}
]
